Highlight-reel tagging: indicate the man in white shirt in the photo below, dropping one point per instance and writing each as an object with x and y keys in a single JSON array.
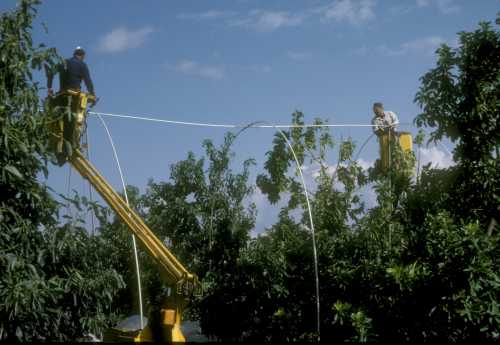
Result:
[{"x": 383, "y": 121}]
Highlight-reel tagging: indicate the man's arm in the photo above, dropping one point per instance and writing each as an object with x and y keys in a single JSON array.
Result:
[
  {"x": 88, "y": 81},
  {"x": 394, "y": 119},
  {"x": 51, "y": 72},
  {"x": 50, "y": 77},
  {"x": 376, "y": 125}
]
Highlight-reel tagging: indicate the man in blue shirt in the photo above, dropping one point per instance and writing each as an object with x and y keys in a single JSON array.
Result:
[
  {"x": 71, "y": 73},
  {"x": 69, "y": 128}
]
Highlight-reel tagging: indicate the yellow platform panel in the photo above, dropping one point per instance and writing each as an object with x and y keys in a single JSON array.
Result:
[{"x": 405, "y": 141}]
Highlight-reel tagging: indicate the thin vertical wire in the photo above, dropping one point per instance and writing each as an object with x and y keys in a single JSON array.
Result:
[
  {"x": 90, "y": 185},
  {"x": 315, "y": 253},
  {"x": 390, "y": 189},
  {"x": 418, "y": 162},
  {"x": 68, "y": 190},
  {"x": 133, "y": 237}
]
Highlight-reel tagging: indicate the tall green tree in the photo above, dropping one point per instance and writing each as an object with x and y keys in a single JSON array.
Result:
[
  {"x": 272, "y": 287},
  {"x": 202, "y": 214},
  {"x": 52, "y": 285},
  {"x": 418, "y": 266},
  {"x": 460, "y": 98}
]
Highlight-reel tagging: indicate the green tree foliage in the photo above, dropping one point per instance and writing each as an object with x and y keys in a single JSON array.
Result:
[
  {"x": 381, "y": 276},
  {"x": 201, "y": 215},
  {"x": 460, "y": 100},
  {"x": 418, "y": 266},
  {"x": 433, "y": 279},
  {"x": 207, "y": 202},
  {"x": 52, "y": 284},
  {"x": 117, "y": 240},
  {"x": 272, "y": 289}
]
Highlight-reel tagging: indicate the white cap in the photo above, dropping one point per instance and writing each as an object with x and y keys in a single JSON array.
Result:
[{"x": 79, "y": 49}]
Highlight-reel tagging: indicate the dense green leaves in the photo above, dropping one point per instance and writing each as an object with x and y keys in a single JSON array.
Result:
[
  {"x": 460, "y": 98},
  {"x": 201, "y": 214},
  {"x": 415, "y": 267},
  {"x": 418, "y": 266},
  {"x": 53, "y": 285}
]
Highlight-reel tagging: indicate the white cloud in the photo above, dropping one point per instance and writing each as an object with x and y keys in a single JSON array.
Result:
[
  {"x": 351, "y": 11},
  {"x": 267, "y": 213},
  {"x": 298, "y": 56},
  {"x": 426, "y": 46},
  {"x": 257, "y": 19},
  {"x": 444, "y": 6},
  {"x": 121, "y": 39},
  {"x": 364, "y": 164},
  {"x": 266, "y": 21},
  {"x": 210, "y": 14},
  {"x": 193, "y": 68},
  {"x": 368, "y": 196},
  {"x": 262, "y": 219},
  {"x": 314, "y": 169},
  {"x": 435, "y": 156}
]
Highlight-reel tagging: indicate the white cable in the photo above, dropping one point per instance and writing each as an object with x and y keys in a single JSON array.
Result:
[
  {"x": 90, "y": 185},
  {"x": 277, "y": 127},
  {"x": 315, "y": 254},
  {"x": 202, "y": 124},
  {"x": 126, "y": 199},
  {"x": 445, "y": 148},
  {"x": 68, "y": 204},
  {"x": 436, "y": 142}
]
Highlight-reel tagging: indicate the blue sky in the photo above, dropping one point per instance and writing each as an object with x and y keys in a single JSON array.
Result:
[{"x": 241, "y": 61}]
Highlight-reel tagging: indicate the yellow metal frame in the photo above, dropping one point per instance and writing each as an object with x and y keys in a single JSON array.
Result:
[
  {"x": 173, "y": 272},
  {"x": 404, "y": 140},
  {"x": 60, "y": 128}
]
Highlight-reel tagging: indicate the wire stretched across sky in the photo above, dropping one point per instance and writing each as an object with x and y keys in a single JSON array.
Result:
[
  {"x": 255, "y": 124},
  {"x": 222, "y": 125}
]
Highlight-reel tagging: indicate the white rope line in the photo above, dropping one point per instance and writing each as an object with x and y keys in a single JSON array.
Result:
[
  {"x": 313, "y": 233},
  {"x": 134, "y": 243},
  {"x": 446, "y": 149},
  {"x": 202, "y": 124}
]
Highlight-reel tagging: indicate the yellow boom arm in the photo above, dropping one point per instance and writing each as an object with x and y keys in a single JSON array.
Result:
[{"x": 173, "y": 272}]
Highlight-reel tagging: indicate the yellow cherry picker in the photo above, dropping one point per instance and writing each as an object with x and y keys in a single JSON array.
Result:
[{"x": 68, "y": 110}]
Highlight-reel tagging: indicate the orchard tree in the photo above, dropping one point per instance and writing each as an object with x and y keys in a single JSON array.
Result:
[
  {"x": 272, "y": 289},
  {"x": 460, "y": 99},
  {"x": 201, "y": 214},
  {"x": 52, "y": 284}
]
